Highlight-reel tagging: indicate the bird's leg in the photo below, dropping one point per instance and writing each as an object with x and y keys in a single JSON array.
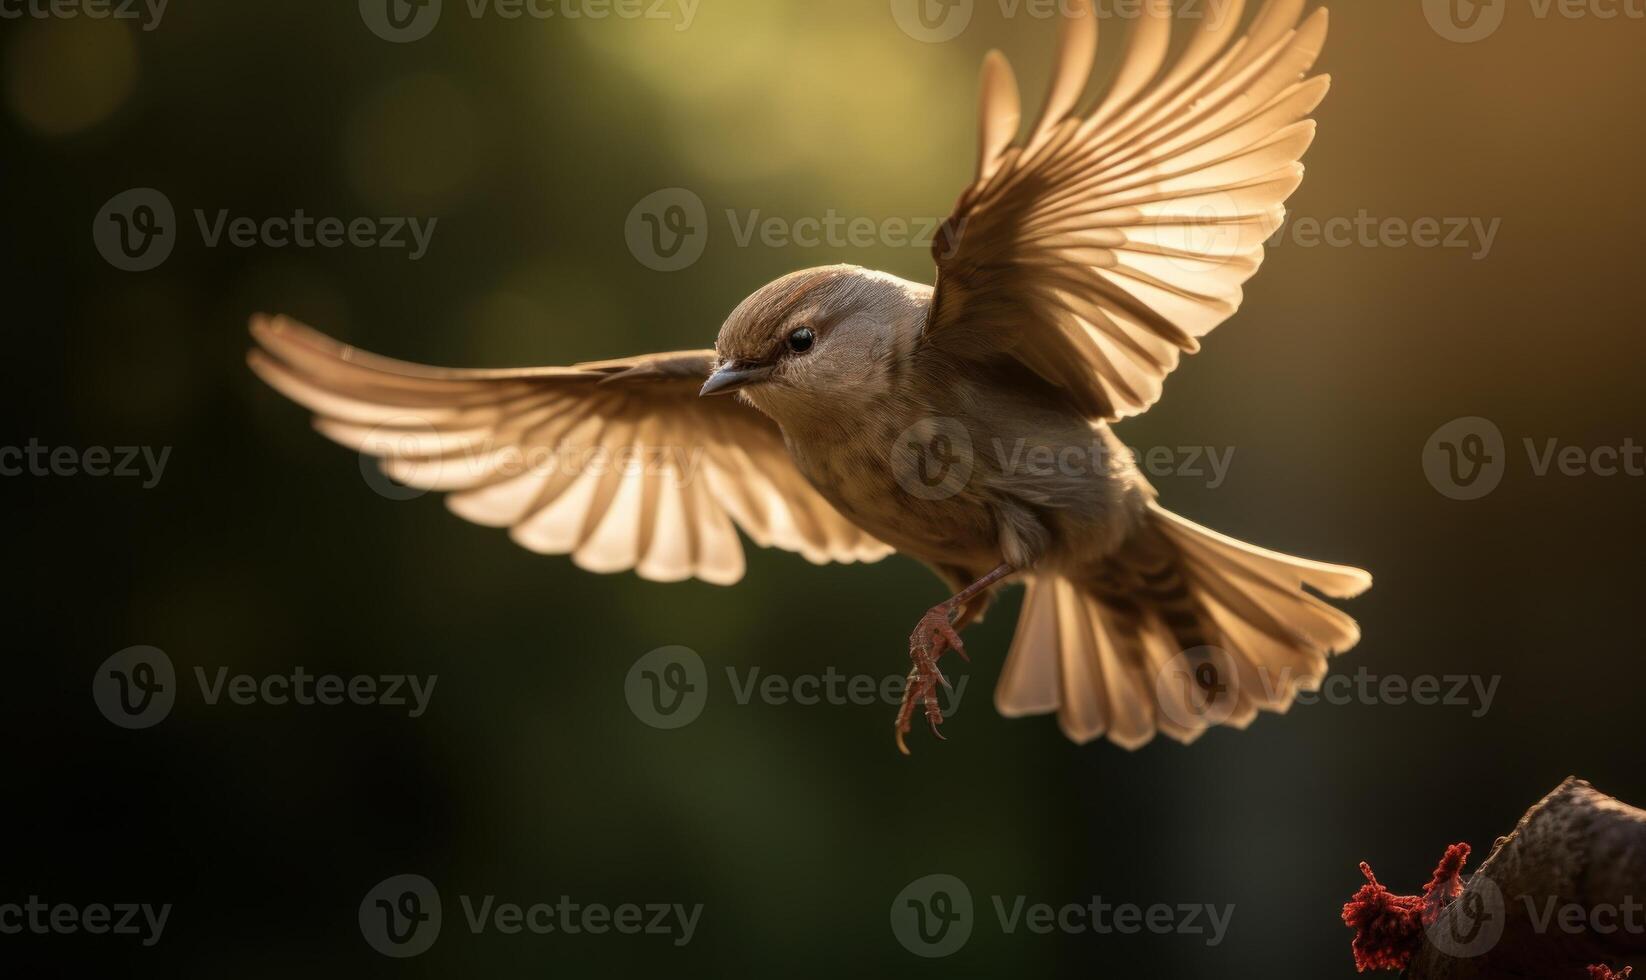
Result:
[{"x": 938, "y": 632}]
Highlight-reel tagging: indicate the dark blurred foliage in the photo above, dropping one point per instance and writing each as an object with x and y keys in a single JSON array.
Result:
[{"x": 262, "y": 548}]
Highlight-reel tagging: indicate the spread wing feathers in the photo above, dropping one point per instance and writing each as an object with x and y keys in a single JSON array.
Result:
[
  {"x": 618, "y": 463},
  {"x": 1096, "y": 249}
]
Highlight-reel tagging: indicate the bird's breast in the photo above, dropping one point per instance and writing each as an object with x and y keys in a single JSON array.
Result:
[{"x": 914, "y": 496}]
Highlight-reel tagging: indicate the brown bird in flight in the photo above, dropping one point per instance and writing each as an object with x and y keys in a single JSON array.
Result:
[{"x": 965, "y": 424}]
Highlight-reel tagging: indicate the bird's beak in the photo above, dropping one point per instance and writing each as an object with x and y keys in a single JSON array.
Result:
[{"x": 735, "y": 375}]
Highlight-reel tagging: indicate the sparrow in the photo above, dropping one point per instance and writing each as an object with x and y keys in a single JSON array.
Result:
[{"x": 845, "y": 413}]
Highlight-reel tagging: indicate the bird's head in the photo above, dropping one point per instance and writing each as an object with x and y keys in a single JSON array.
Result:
[{"x": 817, "y": 341}]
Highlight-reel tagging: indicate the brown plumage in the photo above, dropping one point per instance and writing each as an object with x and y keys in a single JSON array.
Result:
[{"x": 874, "y": 414}]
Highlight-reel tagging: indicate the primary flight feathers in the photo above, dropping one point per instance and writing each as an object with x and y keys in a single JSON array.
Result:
[{"x": 1098, "y": 248}]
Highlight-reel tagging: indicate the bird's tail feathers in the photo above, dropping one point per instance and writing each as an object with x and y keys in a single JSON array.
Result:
[{"x": 1186, "y": 628}]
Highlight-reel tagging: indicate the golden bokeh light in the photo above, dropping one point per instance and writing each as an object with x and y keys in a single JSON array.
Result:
[
  {"x": 837, "y": 94},
  {"x": 66, "y": 76}
]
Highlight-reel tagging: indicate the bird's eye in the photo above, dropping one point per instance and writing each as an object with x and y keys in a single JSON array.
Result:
[{"x": 801, "y": 340}]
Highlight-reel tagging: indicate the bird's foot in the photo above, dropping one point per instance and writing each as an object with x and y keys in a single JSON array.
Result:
[{"x": 933, "y": 636}]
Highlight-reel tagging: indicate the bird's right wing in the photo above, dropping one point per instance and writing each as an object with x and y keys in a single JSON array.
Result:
[
  {"x": 618, "y": 463},
  {"x": 1102, "y": 245}
]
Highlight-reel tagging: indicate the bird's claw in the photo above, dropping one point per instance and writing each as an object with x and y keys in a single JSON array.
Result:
[{"x": 932, "y": 637}]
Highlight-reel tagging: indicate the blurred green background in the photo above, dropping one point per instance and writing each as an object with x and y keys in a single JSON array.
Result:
[{"x": 531, "y": 140}]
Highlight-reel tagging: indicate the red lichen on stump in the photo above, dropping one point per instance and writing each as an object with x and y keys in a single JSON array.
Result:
[
  {"x": 1389, "y": 927},
  {"x": 1575, "y": 848}
]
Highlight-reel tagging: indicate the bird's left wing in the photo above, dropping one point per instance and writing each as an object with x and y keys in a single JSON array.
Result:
[
  {"x": 618, "y": 463},
  {"x": 1096, "y": 249}
]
